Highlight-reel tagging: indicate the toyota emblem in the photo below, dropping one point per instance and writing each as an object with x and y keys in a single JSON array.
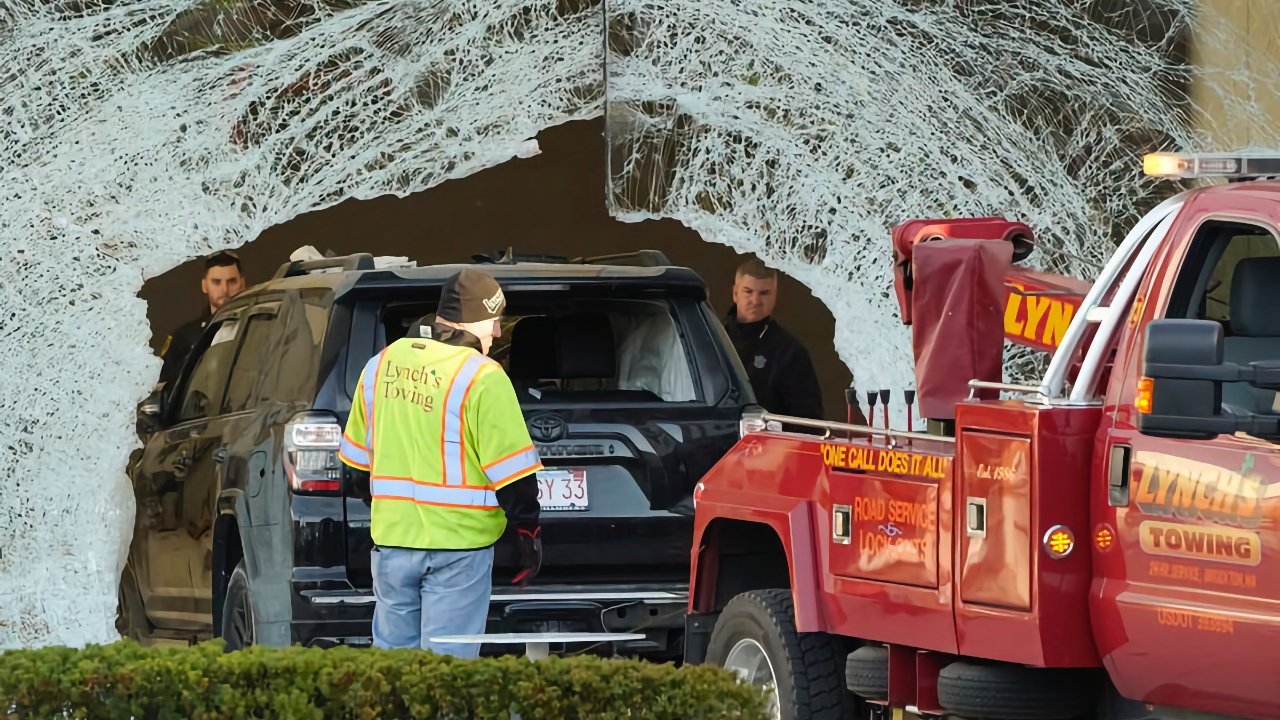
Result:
[{"x": 547, "y": 428}]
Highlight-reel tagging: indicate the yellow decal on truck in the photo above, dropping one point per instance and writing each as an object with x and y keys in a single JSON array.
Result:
[
  {"x": 897, "y": 462},
  {"x": 1195, "y": 620},
  {"x": 1197, "y": 542},
  {"x": 1197, "y": 574},
  {"x": 1036, "y": 320},
  {"x": 1171, "y": 486}
]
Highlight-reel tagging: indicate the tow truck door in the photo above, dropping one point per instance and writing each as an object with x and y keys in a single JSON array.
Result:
[{"x": 1186, "y": 597}]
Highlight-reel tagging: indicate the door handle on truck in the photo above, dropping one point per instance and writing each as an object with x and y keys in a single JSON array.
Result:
[
  {"x": 975, "y": 516},
  {"x": 1118, "y": 476}
]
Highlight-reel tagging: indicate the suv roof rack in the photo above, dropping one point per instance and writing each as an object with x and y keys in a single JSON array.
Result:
[
  {"x": 638, "y": 258},
  {"x": 356, "y": 261},
  {"x": 509, "y": 257}
]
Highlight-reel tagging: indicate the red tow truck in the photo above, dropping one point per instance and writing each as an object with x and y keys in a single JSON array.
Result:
[{"x": 1100, "y": 545}]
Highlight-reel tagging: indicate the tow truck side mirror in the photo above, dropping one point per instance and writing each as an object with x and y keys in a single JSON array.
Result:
[{"x": 1180, "y": 393}]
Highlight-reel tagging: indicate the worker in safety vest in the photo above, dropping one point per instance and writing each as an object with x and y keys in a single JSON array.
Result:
[{"x": 437, "y": 426}]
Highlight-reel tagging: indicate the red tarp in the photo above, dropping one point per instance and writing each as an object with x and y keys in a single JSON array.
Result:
[
  {"x": 958, "y": 289},
  {"x": 958, "y": 302}
]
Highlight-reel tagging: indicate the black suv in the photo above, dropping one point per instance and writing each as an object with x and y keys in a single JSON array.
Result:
[{"x": 249, "y": 528}]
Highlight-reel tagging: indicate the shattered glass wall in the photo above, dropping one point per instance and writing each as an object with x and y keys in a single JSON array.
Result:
[
  {"x": 804, "y": 131},
  {"x": 135, "y": 134}
]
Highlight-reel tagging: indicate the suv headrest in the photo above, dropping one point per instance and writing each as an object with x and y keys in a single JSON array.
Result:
[
  {"x": 534, "y": 349},
  {"x": 587, "y": 348},
  {"x": 1255, "y": 297}
]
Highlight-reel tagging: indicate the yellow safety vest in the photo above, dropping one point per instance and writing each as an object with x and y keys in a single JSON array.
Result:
[{"x": 439, "y": 429}]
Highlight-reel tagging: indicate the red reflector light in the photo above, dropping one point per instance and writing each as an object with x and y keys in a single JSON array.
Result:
[{"x": 319, "y": 485}]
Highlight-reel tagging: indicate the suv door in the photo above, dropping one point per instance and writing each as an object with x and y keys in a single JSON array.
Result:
[
  {"x": 239, "y": 458},
  {"x": 174, "y": 484},
  {"x": 1189, "y": 525}
]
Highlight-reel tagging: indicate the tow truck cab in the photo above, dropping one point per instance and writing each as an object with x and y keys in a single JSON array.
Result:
[{"x": 1103, "y": 544}]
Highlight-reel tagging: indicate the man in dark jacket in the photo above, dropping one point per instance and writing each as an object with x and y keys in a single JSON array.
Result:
[
  {"x": 779, "y": 367},
  {"x": 222, "y": 280}
]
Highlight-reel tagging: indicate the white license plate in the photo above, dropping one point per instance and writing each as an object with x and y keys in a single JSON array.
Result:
[{"x": 562, "y": 489}]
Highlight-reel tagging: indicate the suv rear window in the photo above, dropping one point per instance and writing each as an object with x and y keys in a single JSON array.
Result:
[{"x": 566, "y": 349}]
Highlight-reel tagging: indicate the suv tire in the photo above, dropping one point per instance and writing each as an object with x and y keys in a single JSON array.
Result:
[
  {"x": 237, "y": 611},
  {"x": 1012, "y": 692},
  {"x": 131, "y": 615},
  {"x": 756, "y": 636}
]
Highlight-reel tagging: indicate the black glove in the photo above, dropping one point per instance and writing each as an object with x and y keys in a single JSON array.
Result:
[{"x": 528, "y": 554}]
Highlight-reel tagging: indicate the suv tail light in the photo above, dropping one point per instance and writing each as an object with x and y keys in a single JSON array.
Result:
[{"x": 311, "y": 461}]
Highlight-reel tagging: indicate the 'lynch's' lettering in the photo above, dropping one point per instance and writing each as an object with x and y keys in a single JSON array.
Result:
[
  {"x": 1199, "y": 491},
  {"x": 1039, "y": 319}
]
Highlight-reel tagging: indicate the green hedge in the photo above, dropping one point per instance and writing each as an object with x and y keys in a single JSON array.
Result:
[{"x": 124, "y": 680}]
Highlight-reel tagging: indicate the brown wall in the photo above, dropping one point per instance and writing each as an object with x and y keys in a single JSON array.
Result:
[
  {"x": 552, "y": 203},
  {"x": 1235, "y": 42}
]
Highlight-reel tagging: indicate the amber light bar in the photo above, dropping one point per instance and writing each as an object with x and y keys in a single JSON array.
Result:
[{"x": 1201, "y": 165}]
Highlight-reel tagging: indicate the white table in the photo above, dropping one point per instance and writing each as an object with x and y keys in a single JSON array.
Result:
[{"x": 536, "y": 645}]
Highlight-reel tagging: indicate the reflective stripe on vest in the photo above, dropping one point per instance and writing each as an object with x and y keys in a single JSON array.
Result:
[
  {"x": 372, "y": 369},
  {"x": 513, "y": 466},
  {"x": 452, "y": 442},
  {"x": 384, "y": 488},
  {"x": 355, "y": 453},
  {"x": 350, "y": 449}
]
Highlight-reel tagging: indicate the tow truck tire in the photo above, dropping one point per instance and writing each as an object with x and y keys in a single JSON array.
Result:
[
  {"x": 866, "y": 672},
  {"x": 805, "y": 666},
  {"x": 1011, "y": 692}
]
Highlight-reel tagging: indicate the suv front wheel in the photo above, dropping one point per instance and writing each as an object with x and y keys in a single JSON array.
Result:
[
  {"x": 237, "y": 611},
  {"x": 756, "y": 637}
]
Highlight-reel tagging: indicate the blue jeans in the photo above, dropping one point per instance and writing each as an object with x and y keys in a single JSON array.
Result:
[{"x": 429, "y": 593}]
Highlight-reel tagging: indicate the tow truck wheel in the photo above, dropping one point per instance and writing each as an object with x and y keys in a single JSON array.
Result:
[
  {"x": 756, "y": 637},
  {"x": 1010, "y": 692},
  {"x": 866, "y": 672}
]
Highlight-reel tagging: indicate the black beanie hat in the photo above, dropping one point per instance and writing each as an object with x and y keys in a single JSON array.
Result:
[{"x": 471, "y": 296}]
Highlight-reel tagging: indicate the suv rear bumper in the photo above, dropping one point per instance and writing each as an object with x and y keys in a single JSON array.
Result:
[
  {"x": 344, "y": 617},
  {"x": 656, "y": 611}
]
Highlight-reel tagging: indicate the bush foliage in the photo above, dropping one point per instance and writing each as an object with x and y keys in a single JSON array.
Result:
[{"x": 124, "y": 680}]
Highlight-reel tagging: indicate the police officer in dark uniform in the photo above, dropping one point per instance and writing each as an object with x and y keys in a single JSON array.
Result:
[
  {"x": 779, "y": 367},
  {"x": 222, "y": 280}
]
